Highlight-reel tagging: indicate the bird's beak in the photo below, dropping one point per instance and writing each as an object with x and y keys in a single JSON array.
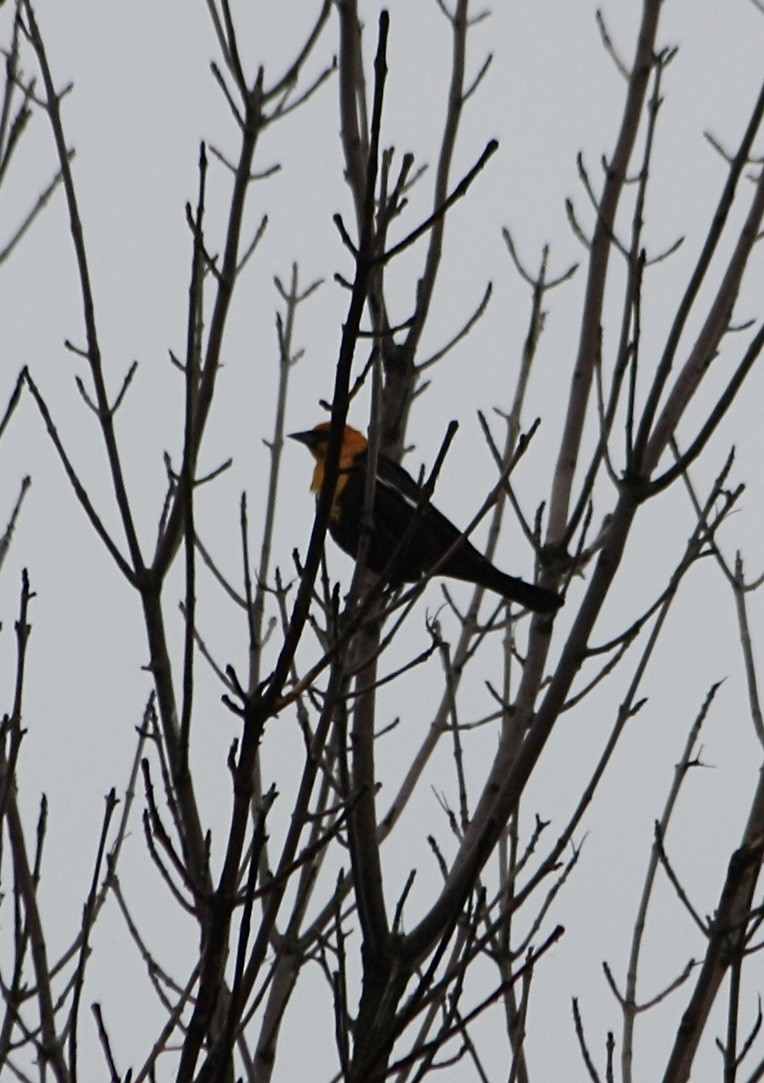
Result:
[{"x": 308, "y": 438}]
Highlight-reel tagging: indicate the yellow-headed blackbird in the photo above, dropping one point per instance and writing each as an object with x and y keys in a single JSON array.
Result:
[{"x": 397, "y": 501}]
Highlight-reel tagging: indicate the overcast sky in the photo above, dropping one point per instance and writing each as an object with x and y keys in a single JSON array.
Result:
[{"x": 142, "y": 100}]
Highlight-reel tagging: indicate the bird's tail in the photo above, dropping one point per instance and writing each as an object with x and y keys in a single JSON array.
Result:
[
  {"x": 539, "y": 599},
  {"x": 482, "y": 572}
]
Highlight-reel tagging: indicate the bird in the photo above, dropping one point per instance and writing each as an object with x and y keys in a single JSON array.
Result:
[{"x": 398, "y": 502}]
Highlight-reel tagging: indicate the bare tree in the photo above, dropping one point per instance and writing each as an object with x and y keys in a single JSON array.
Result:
[{"x": 410, "y": 971}]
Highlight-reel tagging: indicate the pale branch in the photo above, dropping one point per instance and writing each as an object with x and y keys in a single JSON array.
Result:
[
  {"x": 599, "y": 257},
  {"x": 646, "y": 431}
]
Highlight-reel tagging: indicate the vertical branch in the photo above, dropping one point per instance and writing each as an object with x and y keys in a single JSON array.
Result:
[
  {"x": 729, "y": 926},
  {"x": 262, "y": 704},
  {"x": 105, "y": 413},
  {"x": 292, "y": 298},
  {"x": 225, "y": 278},
  {"x": 353, "y": 120},
  {"x": 11, "y": 129},
  {"x": 400, "y": 372},
  {"x": 709, "y": 338},
  {"x": 713, "y": 236},
  {"x": 87, "y": 927},
  {"x": 49, "y": 1045},
  {"x": 725, "y": 942},
  {"x": 630, "y": 993},
  {"x": 185, "y": 492},
  {"x": 599, "y": 257},
  {"x": 367, "y": 869},
  {"x": 447, "y": 146}
]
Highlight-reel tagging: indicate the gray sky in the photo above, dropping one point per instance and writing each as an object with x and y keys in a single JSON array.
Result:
[{"x": 143, "y": 98}]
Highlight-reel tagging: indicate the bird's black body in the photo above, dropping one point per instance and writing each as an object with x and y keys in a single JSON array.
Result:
[{"x": 413, "y": 550}]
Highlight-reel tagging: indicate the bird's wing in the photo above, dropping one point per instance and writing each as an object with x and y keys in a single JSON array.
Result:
[
  {"x": 435, "y": 533},
  {"x": 391, "y": 475}
]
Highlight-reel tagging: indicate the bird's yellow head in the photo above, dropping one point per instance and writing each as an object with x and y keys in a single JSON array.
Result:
[{"x": 354, "y": 443}]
